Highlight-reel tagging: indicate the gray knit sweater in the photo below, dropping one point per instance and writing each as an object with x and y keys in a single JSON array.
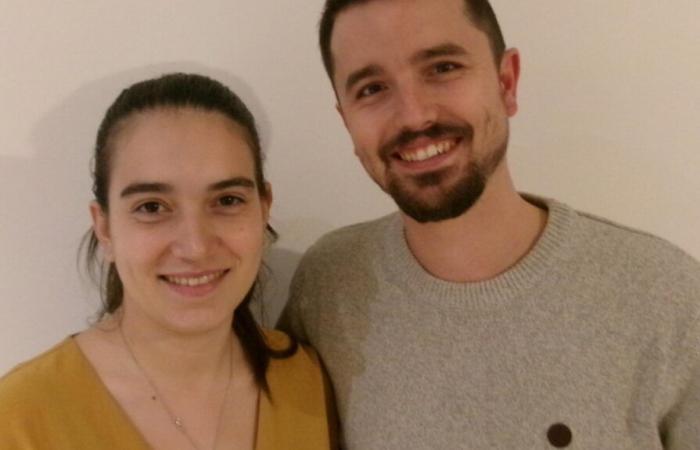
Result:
[{"x": 592, "y": 341}]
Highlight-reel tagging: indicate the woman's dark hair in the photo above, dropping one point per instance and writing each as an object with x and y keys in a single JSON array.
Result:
[{"x": 179, "y": 90}]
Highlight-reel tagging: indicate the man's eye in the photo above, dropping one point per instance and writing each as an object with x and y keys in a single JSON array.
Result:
[
  {"x": 229, "y": 200},
  {"x": 369, "y": 90},
  {"x": 445, "y": 67},
  {"x": 150, "y": 208}
]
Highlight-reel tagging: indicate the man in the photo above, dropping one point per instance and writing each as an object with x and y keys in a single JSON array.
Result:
[{"x": 477, "y": 317}]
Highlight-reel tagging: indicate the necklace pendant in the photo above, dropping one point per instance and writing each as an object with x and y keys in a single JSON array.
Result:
[{"x": 178, "y": 422}]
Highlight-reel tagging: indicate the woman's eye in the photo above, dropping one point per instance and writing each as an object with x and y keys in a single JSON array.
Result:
[{"x": 150, "y": 208}]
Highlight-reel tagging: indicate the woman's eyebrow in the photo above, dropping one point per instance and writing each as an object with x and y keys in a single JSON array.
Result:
[{"x": 164, "y": 188}]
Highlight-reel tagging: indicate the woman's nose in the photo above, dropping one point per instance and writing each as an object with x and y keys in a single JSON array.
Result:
[{"x": 194, "y": 238}]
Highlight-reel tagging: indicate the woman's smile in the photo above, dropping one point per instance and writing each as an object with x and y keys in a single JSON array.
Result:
[{"x": 195, "y": 284}]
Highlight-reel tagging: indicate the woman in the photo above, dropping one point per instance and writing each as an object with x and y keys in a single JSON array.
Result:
[{"x": 177, "y": 360}]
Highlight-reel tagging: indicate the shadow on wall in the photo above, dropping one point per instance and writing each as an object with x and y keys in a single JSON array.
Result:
[{"x": 280, "y": 265}]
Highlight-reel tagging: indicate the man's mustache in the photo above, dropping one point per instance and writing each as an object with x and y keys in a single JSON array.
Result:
[{"x": 435, "y": 131}]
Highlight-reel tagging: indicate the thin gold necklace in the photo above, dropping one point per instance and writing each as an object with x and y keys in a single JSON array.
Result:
[{"x": 157, "y": 395}]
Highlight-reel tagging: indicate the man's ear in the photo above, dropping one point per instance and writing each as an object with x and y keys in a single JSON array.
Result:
[
  {"x": 509, "y": 74},
  {"x": 340, "y": 112},
  {"x": 100, "y": 226}
]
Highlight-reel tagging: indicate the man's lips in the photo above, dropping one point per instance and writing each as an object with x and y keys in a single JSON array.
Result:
[{"x": 194, "y": 279}]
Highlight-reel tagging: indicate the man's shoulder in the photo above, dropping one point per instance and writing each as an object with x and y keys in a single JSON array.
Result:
[
  {"x": 340, "y": 258},
  {"x": 630, "y": 243},
  {"x": 650, "y": 272},
  {"x": 587, "y": 246},
  {"x": 351, "y": 240}
]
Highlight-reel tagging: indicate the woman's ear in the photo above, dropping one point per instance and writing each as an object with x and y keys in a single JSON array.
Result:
[
  {"x": 266, "y": 201},
  {"x": 100, "y": 226}
]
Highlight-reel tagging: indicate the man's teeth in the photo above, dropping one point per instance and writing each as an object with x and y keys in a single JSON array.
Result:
[
  {"x": 194, "y": 281},
  {"x": 426, "y": 152}
]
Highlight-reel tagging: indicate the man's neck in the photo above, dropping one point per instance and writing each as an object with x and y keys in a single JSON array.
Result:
[{"x": 488, "y": 239}]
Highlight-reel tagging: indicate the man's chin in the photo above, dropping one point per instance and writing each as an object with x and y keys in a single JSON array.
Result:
[
  {"x": 426, "y": 212},
  {"x": 436, "y": 203}
]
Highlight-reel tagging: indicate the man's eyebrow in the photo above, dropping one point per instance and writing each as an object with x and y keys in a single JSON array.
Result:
[
  {"x": 358, "y": 75},
  {"x": 446, "y": 49},
  {"x": 232, "y": 182},
  {"x": 140, "y": 188}
]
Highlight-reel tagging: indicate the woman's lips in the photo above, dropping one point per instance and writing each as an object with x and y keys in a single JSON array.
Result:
[{"x": 194, "y": 284}]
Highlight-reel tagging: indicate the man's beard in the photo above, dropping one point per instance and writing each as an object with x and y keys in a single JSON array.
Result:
[{"x": 449, "y": 201}]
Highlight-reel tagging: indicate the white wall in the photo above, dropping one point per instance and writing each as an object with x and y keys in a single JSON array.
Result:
[{"x": 610, "y": 101}]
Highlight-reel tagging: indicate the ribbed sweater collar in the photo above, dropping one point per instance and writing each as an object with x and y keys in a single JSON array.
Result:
[{"x": 551, "y": 249}]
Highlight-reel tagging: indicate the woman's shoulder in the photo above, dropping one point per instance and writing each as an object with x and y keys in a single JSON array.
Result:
[
  {"x": 299, "y": 411},
  {"x": 295, "y": 372},
  {"x": 302, "y": 356},
  {"x": 40, "y": 370},
  {"x": 40, "y": 380},
  {"x": 277, "y": 339}
]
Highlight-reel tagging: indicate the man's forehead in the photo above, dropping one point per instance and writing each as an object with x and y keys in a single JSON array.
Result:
[
  {"x": 378, "y": 30},
  {"x": 388, "y": 10}
]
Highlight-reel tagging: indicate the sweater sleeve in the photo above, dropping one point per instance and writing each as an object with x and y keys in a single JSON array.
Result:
[{"x": 681, "y": 427}]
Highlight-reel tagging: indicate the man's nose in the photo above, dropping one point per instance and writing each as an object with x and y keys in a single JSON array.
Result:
[{"x": 415, "y": 108}]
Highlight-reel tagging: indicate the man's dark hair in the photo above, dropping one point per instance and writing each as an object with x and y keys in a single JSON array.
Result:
[{"x": 479, "y": 12}]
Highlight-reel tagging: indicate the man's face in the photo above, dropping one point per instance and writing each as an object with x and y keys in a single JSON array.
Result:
[{"x": 424, "y": 101}]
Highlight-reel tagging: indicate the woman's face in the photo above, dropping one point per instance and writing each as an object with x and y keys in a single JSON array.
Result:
[{"x": 186, "y": 223}]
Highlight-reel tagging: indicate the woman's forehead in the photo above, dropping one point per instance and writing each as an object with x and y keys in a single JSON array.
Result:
[{"x": 180, "y": 146}]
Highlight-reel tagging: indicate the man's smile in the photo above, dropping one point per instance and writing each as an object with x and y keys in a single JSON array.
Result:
[{"x": 425, "y": 152}]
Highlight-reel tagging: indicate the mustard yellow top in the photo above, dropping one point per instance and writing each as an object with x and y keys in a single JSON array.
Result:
[{"x": 57, "y": 401}]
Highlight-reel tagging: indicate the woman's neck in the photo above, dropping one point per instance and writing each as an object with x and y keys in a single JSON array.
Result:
[{"x": 190, "y": 361}]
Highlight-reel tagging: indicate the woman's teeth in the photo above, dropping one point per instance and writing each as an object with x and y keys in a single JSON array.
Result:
[{"x": 194, "y": 281}]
